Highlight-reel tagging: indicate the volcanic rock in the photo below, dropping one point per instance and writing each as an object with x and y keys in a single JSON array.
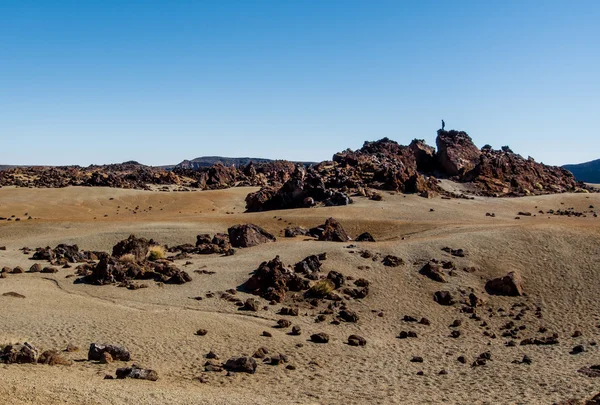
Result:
[
  {"x": 137, "y": 373},
  {"x": 241, "y": 364},
  {"x": 248, "y": 235},
  {"x": 510, "y": 285},
  {"x": 117, "y": 352}
]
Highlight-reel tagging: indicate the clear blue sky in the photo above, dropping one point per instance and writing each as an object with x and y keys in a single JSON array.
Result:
[{"x": 86, "y": 82}]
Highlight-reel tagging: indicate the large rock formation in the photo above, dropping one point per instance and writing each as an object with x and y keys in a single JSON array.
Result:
[
  {"x": 379, "y": 165},
  {"x": 457, "y": 154}
]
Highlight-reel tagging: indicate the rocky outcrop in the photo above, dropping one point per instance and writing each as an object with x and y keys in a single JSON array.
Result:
[{"x": 378, "y": 165}]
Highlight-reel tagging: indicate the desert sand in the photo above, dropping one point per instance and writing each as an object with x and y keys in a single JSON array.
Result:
[{"x": 557, "y": 256}]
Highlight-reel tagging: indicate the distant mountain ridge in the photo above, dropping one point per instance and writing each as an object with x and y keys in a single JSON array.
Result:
[
  {"x": 588, "y": 172},
  {"x": 208, "y": 161}
]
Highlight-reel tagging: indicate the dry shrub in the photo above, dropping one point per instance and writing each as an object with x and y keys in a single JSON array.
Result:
[
  {"x": 156, "y": 253},
  {"x": 322, "y": 288}
]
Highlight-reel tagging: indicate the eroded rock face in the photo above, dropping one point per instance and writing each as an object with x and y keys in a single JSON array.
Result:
[
  {"x": 248, "y": 235},
  {"x": 511, "y": 285},
  {"x": 457, "y": 154}
]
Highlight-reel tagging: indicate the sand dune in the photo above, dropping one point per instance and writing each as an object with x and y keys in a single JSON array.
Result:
[{"x": 557, "y": 256}]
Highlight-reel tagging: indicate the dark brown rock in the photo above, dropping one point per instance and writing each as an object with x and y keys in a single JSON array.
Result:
[
  {"x": 443, "y": 298},
  {"x": 434, "y": 271},
  {"x": 510, "y": 285},
  {"x": 320, "y": 338},
  {"x": 457, "y": 154},
  {"x": 117, "y": 352},
  {"x": 19, "y": 353},
  {"x": 137, "y": 373},
  {"x": 333, "y": 232},
  {"x": 138, "y": 247},
  {"x": 355, "y": 340},
  {"x": 241, "y": 364},
  {"x": 248, "y": 235}
]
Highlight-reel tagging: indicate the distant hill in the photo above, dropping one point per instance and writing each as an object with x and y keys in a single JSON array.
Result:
[
  {"x": 4, "y": 167},
  {"x": 207, "y": 161},
  {"x": 588, "y": 172}
]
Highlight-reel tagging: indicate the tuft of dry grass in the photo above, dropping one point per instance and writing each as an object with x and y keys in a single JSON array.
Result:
[
  {"x": 156, "y": 252},
  {"x": 128, "y": 258},
  {"x": 322, "y": 288}
]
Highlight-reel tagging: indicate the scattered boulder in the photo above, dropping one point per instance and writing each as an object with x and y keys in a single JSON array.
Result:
[
  {"x": 248, "y": 235},
  {"x": 242, "y": 364},
  {"x": 53, "y": 358},
  {"x": 117, "y": 352},
  {"x": 137, "y": 373},
  {"x": 347, "y": 315},
  {"x": 283, "y": 324},
  {"x": 365, "y": 237},
  {"x": 355, "y": 340},
  {"x": 510, "y": 285},
  {"x": 35, "y": 268},
  {"x": 392, "y": 261},
  {"x": 19, "y": 353},
  {"x": 251, "y": 304},
  {"x": 443, "y": 298},
  {"x": 261, "y": 353},
  {"x": 337, "y": 278},
  {"x": 320, "y": 338},
  {"x": 49, "y": 270},
  {"x": 272, "y": 280},
  {"x": 333, "y": 232},
  {"x": 293, "y": 231},
  {"x": 434, "y": 271}
]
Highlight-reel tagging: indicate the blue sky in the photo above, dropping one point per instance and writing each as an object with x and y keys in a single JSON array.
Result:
[{"x": 85, "y": 82}]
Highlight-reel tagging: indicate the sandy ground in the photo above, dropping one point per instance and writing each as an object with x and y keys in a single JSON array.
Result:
[{"x": 558, "y": 258}]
